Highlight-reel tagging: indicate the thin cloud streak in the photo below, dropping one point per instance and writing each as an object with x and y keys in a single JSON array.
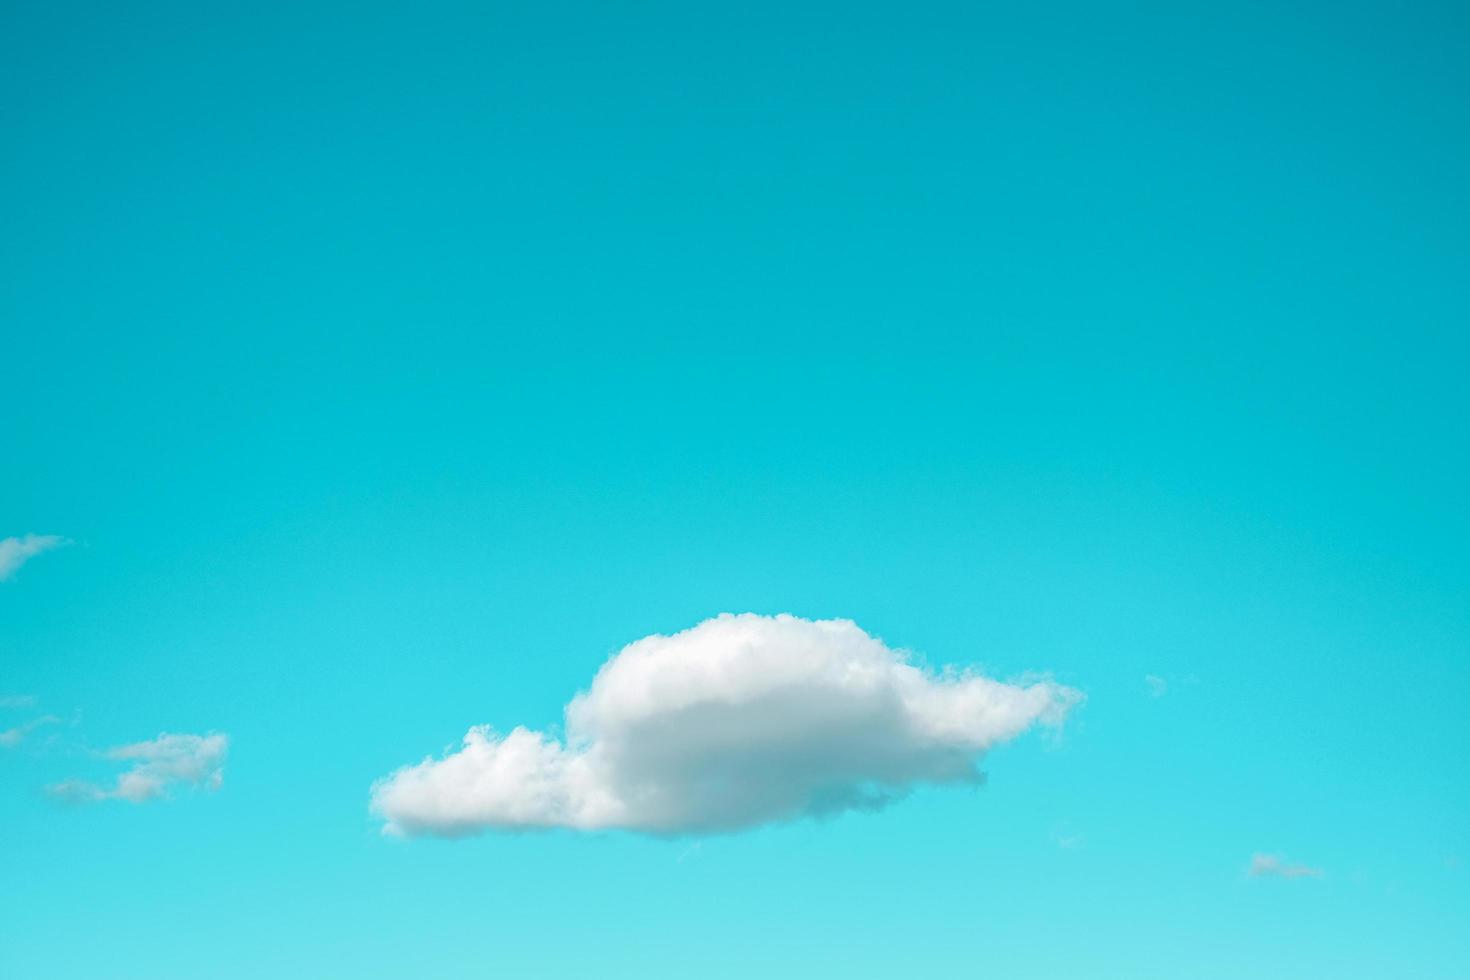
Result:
[
  {"x": 158, "y": 765},
  {"x": 12, "y": 737},
  {"x": 1275, "y": 866},
  {"x": 16, "y": 551}
]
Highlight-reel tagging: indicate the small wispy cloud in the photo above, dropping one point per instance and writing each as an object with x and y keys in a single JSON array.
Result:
[
  {"x": 1157, "y": 686},
  {"x": 17, "y": 700},
  {"x": 16, "y": 551},
  {"x": 1275, "y": 866},
  {"x": 191, "y": 760},
  {"x": 1066, "y": 836},
  {"x": 11, "y": 737}
]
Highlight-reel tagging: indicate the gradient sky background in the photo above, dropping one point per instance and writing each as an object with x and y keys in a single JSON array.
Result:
[{"x": 391, "y": 366}]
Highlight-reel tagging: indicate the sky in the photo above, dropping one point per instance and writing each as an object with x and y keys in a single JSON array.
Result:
[{"x": 1065, "y": 401}]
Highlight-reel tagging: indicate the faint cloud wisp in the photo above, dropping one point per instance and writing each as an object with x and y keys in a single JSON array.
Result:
[
  {"x": 16, "y": 551},
  {"x": 1274, "y": 866},
  {"x": 191, "y": 760},
  {"x": 12, "y": 737}
]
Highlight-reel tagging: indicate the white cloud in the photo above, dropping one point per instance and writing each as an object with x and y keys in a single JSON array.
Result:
[
  {"x": 1157, "y": 686},
  {"x": 15, "y": 552},
  {"x": 12, "y": 737},
  {"x": 17, "y": 700},
  {"x": 194, "y": 760},
  {"x": 739, "y": 721},
  {"x": 1273, "y": 865},
  {"x": 1066, "y": 838}
]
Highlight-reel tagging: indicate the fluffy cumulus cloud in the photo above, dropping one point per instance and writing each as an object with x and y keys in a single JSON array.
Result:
[
  {"x": 1275, "y": 866},
  {"x": 15, "y": 552},
  {"x": 157, "y": 765},
  {"x": 739, "y": 721}
]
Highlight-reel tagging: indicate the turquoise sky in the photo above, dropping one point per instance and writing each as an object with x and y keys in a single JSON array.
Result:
[{"x": 390, "y": 367}]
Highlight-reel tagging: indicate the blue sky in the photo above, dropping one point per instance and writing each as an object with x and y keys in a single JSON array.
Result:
[{"x": 387, "y": 369}]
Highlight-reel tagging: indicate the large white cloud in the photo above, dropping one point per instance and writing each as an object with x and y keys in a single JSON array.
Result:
[
  {"x": 739, "y": 721},
  {"x": 194, "y": 760},
  {"x": 15, "y": 552}
]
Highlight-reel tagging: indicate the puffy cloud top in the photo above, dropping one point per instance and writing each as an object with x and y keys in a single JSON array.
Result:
[{"x": 739, "y": 721}]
